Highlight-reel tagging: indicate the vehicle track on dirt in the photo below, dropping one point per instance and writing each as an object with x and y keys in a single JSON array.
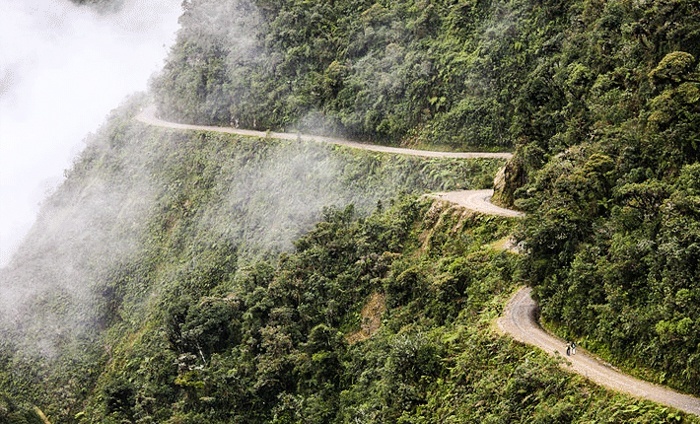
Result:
[{"x": 519, "y": 319}]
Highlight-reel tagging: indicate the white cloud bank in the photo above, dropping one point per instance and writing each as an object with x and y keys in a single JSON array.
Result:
[{"x": 62, "y": 69}]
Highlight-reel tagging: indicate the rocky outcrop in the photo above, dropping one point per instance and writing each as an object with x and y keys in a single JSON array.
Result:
[{"x": 507, "y": 180}]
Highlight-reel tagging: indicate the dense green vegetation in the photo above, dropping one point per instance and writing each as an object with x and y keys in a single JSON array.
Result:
[
  {"x": 455, "y": 73},
  {"x": 268, "y": 343},
  {"x": 613, "y": 217},
  {"x": 197, "y": 277},
  {"x": 600, "y": 99},
  {"x": 13, "y": 413},
  {"x": 162, "y": 298}
]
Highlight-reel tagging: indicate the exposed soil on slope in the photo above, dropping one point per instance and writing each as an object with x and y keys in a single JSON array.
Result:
[{"x": 371, "y": 316}]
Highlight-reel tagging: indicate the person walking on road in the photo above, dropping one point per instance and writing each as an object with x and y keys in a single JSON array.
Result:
[
  {"x": 573, "y": 348},
  {"x": 568, "y": 349}
]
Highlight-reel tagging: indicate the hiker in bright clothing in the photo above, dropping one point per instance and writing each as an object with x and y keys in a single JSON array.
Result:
[{"x": 573, "y": 348}]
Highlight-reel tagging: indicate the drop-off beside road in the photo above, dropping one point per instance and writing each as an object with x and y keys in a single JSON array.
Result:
[{"x": 520, "y": 316}]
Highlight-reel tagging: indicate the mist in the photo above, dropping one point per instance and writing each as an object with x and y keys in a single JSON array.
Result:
[{"x": 62, "y": 69}]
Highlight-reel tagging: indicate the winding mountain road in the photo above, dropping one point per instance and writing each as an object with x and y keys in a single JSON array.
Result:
[
  {"x": 519, "y": 319},
  {"x": 148, "y": 116}
]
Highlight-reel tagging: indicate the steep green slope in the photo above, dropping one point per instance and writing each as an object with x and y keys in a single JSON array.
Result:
[
  {"x": 13, "y": 413},
  {"x": 273, "y": 342},
  {"x": 611, "y": 198},
  {"x": 600, "y": 99},
  {"x": 184, "y": 277},
  {"x": 488, "y": 74},
  {"x": 453, "y": 73},
  {"x": 140, "y": 200},
  {"x": 151, "y": 293}
]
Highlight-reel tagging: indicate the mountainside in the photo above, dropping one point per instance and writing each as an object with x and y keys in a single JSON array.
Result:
[
  {"x": 191, "y": 277},
  {"x": 159, "y": 285},
  {"x": 599, "y": 99},
  {"x": 486, "y": 74},
  {"x": 146, "y": 213},
  {"x": 449, "y": 73}
]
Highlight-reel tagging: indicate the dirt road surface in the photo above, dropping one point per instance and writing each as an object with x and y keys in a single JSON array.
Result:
[
  {"x": 520, "y": 321},
  {"x": 476, "y": 200},
  {"x": 148, "y": 116}
]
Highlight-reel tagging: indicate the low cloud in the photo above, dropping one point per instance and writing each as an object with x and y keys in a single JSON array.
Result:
[{"x": 62, "y": 69}]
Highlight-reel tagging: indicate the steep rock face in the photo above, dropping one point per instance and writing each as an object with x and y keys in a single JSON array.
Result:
[{"x": 508, "y": 179}]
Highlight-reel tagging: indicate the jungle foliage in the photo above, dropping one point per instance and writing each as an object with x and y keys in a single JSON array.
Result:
[
  {"x": 211, "y": 278},
  {"x": 454, "y": 73},
  {"x": 270, "y": 342},
  {"x": 612, "y": 223},
  {"x": 599, "y": 99},
  {"x": 158, "y": 298}
]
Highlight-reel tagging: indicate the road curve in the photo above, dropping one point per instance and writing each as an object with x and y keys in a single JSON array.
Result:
[
  {"x": 476, "y": 200},
  {"x": 148, "y": 116},
  {"x": 520, "y": 321}
]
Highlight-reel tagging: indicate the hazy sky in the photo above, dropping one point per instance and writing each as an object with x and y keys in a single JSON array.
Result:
[{"x": 62, "y": 69}]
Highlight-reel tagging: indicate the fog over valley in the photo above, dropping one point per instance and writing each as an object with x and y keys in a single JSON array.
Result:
[{"x": 63, "y": 67}]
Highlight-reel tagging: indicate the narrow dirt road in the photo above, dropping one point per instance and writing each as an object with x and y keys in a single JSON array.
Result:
[
  {"x": 520, "y": 321},
  {"x": 476, "y": 200},
  {"x": 147, "y": 116}
]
